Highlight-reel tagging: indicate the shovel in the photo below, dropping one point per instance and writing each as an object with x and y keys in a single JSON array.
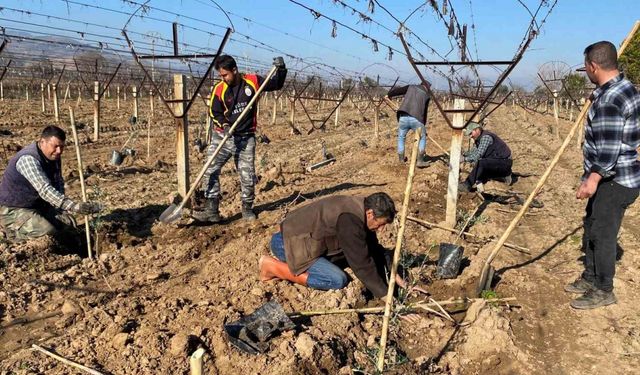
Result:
[{"x": 173, "y": 212}]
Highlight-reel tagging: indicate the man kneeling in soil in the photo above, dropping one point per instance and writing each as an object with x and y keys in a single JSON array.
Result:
[
  {"x": 491, "y": 157},
  {"x": 32, "y": 197},
  {"x": 315, "y": 238}
]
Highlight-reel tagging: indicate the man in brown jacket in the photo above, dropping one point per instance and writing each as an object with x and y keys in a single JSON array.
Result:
[{"x": 315, "y": 237}]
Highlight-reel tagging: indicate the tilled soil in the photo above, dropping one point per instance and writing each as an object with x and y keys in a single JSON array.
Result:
[{"x": 156, "y": 292}]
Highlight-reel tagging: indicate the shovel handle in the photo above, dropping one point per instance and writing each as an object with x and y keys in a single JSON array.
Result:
[{"x": 224, "y": 139}]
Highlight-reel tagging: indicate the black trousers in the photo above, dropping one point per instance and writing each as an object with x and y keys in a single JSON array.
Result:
[
  {"x": 604, "y": 213},
  {"x": 489, "y": 169}
]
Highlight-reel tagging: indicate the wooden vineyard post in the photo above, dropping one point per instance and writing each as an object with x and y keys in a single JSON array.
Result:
[
  {"x": 134, "y": 93},
  {"x": 396, "y": 253},
  {"x": 293, "y": 110},
  {"x": 1, "y": 91},
  {"x": 83, "y": 189},
  {"x": 96, "y": 111},
  {"x": 376, "y": 115},
  {"x": 26, "y": 92},
  {"x": 335, "y": 122},
  {"x": 151, "y": 101},
  {"x": 67, "y": 92},
  {"x": 454, "y": 165},
  {"x": 48, "y": 91},
  {"x": 118, "y": 97},
  {"x": 42, "y": 96},
  {"x": 182, "y": 134},
  {"x": 274, "y": 112},
  {"x": 556, "y": 130},
  {"x": 56, "y": 108}
]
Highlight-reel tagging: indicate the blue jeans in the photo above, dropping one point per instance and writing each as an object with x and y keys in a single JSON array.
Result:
[
  {"x": 323, "y": 274},
  {"x": 406, "y": 123}
]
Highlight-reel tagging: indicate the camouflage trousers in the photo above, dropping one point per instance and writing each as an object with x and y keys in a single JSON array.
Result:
[
  {"x": 243, "y": 150},
  {"x": 21, "y": 224}
]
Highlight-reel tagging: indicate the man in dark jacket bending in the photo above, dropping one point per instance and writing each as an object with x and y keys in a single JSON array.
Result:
[
  {"x": 491, "y": 157},
  {"x": 313, "y": 238},
  {"x": 412, "y": 115}
]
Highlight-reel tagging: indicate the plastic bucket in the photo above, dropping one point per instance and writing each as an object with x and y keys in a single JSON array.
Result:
[
  {"x": 449, "y": 261},
  {"x": 116, "y": 158}
]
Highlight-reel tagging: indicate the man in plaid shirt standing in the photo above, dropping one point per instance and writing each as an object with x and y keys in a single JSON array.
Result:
[
  {"x": 611, "y": 179},
  {"x": 32, "y": 200}
]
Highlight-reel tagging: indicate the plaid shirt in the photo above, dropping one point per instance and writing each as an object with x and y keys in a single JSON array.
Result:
[
  {"x": 612, "y": 133},
  {"x": 50, "y": 191},
  {"x": 476, "y": 153}
]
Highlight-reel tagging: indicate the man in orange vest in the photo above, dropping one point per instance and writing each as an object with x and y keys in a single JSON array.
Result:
[{"x": 228, "y": 99}]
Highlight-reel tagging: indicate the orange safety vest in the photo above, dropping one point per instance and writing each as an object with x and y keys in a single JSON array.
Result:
[{"x": 220, "y": 89}]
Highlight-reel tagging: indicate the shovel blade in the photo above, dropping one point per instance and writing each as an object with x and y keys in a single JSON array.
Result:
[
  {"x": 486, "y": 278},
  {"x": 171, "y": 214}
]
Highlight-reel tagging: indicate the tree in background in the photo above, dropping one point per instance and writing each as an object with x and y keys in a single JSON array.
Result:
[
  {"x": 575, "y": 84},
  {"x": 630, "y": 60}
]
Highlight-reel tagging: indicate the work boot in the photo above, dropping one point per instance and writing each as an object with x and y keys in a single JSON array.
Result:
[
  {"x": 210, "y": 213},
  {"x": 271, "y": 268},
  {"x": 508, "y": 180},
  {"x": 247, "y": 211},
  {"x": 593, "y": 298},
  {"x": 423, "y": 161},
  {"x": 464, "y": 187},
  {"x": 579, "y": 286}
]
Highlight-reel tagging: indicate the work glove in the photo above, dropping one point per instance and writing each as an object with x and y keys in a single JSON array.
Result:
[
  {"x": 278, "y": 62},
  {"x": 87, "y": 208}
]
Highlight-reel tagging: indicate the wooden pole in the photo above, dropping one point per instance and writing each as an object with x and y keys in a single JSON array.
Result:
[
  {"x": 196, "y": 362},
  {"x": 556, "y": 130},
  {"x": 454, "y": 165},
  {"x": 275, "y": 110},
  {"x": 48, "y": 91},
  {"x": 150, "y": 120},
  {"x": 134, "y": 93},
  {"x": 26, "y": 91},
  {"x": 293, "y": 111},
  {"x": 396, "y": 253},
  {"x": 66, "y": 361},
  {"x": 118, "y": 97},
  {"x": 56, "y": 108},
  {"x": 376, "y": 113},
  {"x": 83, "y": 189},
  {"x": 67, "y": 92},
  {"x": 42, "y": 96},
  {"x": 335, "y": 121},
  {"x": 545, "y": 176},
  {"x": 182, "y": 135},
  {"x": 96, "y": 111},
  {"x": 151, "y": 102},
  {"x": 2, "y": 91}
]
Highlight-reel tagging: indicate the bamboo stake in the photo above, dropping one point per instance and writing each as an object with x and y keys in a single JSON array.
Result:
[
  {"x": 66, "y": 361},
  {"x": 434, "y": 225},
  {"x": 396, "y": 253},
  {"x": 81, "y": 174},
  {"x": 411, "y": 306},
  {"x": 514, "y": 222},
  {"x": 196, "y": 362}
]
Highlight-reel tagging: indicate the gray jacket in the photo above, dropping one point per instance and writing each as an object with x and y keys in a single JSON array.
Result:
[{"x": 415, "y": 102}]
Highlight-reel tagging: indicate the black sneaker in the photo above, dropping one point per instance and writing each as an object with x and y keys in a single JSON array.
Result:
[
  {"x": 579, "y": 286},
  {"x": 593, "y": 298}
]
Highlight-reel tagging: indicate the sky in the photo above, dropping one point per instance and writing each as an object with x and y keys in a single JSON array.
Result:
[{"x": 267, "y": 28}]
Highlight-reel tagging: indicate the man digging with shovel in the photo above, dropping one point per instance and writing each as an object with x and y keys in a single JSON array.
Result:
[
  {"x": 228, "y": 100},
  {"x": 315, "y": 239},
  {"x": 32, "y": 199}
]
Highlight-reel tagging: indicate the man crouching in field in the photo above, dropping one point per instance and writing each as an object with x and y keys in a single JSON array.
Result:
[{"x": 315, "y": 238}]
